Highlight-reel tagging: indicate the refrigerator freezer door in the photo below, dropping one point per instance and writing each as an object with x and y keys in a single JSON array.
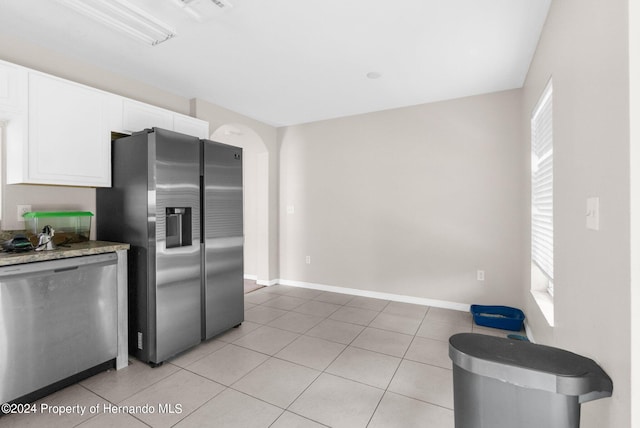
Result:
[
  {"x": 156, "y": 183},
  {"x": 177, "y": 282},
  {"x": 223, "y": 287}
]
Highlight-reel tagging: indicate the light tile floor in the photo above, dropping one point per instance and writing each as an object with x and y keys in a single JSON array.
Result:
[{"x": 302, "y": 358}]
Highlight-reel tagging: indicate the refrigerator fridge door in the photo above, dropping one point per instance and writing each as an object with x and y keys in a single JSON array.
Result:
[{"x": 223, "y": 239}]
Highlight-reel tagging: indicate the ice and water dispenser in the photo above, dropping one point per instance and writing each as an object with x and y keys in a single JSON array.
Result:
[{"x": 178, "y": 227}]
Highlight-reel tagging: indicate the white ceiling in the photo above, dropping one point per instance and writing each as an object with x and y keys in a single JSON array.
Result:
[{"x": 286, "y": 62}]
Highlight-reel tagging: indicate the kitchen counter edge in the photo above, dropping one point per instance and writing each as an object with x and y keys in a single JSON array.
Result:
[{"x": 72, "y": 250}]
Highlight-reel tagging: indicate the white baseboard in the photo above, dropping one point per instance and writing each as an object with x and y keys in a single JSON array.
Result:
[
  {"x": 377, "y": 295},
  {"x": 260, "y": 281},
  {"x": 465, "y": 307}
]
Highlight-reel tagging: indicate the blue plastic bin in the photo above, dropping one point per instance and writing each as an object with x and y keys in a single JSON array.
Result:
[{"x": 502, "y": 317}]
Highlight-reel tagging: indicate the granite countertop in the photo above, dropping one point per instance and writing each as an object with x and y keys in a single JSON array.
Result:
[{"x": 71, "y": 250}]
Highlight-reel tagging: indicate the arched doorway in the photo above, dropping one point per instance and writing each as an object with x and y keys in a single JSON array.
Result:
[{"x": 256, "y": 197}]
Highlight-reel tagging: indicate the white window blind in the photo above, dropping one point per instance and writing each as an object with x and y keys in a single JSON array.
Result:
[{"x": 542, "y": 185}]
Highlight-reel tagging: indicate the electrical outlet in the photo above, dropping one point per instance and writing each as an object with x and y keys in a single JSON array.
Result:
[
  {"x": 307, "y": 260},
  {"x": 593, "y": 213},
  {"x": 480, "y": 275},
  {"x": 21, "y": 210}
]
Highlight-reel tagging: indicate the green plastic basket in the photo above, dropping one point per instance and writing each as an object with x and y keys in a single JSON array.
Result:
[{"x": 69, "y": 226}]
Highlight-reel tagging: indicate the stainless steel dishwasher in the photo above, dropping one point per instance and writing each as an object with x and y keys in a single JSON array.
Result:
[{"x": 57, "y": 319}]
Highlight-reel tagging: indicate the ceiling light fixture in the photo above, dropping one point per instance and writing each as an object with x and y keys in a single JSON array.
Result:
[
  {"x": 202, "y": 10},
  {"x": 373, "y": 75},
  {"x": 222, "y": 4},
  {"x": 124, "y": 17}
]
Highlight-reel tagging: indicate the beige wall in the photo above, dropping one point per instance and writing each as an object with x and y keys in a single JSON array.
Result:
[
  {"x": 634, "y": 74},
  {"x": 409, "y": 201},
  {"x": 584, "y": 46}
]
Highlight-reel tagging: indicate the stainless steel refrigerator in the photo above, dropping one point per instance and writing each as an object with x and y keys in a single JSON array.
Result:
[{"x": 177, "y": 201}]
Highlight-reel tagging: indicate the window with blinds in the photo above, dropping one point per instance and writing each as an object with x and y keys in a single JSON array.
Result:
[{"x": 542, "y": 185}]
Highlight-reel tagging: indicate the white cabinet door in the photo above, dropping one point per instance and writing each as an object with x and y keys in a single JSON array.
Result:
[
  {"x": 13, "y": 112},
  {"x": 13, "y": 89},
  {"x": 69, "y": 136},
  {"x": 138, "y": 116},
  {"x": 191, "y": 126}
]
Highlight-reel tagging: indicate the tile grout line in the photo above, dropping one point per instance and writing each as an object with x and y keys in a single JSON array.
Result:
[
  {"x": 397, "y": 368},
  {"x": 111, "y": 402}
]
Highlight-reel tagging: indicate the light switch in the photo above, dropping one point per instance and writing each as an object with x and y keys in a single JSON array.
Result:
[
  {"x": 290, "y": 209},
  {"x": 593, "y": 213}
]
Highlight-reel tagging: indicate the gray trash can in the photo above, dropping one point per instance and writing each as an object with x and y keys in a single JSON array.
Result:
[{"x": 504, "y": 383}]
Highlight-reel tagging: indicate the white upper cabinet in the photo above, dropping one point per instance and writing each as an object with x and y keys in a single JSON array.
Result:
[
  {"x": 138, "y": 116},
  {"x": 191, "y": 126},
  {"x": 13, "y": 111},
  {"x": 59, "y": 132},
  {"x": 69, "y": 135},
  {"x": 13, "y": 89}
]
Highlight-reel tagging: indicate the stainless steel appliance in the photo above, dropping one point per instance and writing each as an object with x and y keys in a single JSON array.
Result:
[
  {"x": 177, "y": 201},
  {"x": 223, "y": 269},
  {"x": 57, "y": 319}
]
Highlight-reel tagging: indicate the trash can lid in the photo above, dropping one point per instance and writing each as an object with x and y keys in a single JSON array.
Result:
[{"x": 530, "y": 365}]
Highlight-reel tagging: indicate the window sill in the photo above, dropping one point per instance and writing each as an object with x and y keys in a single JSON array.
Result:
[{"x": 545, "y": 303}]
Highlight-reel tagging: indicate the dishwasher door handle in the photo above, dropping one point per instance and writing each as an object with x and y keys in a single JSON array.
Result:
[
  {"x": 57, "y": 266},
  {"x": 65, "y": 269}
]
